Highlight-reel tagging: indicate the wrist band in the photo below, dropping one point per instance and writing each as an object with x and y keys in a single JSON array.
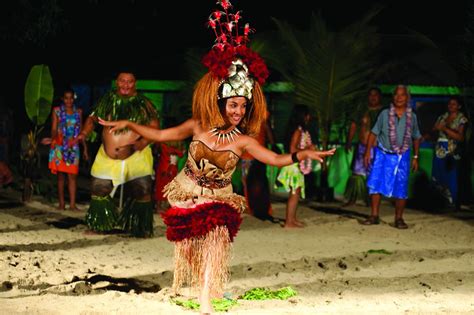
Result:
[{"x": 294, "y": 157}]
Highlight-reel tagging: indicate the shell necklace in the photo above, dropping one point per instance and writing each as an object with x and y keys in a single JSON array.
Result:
[{"x": 225, "y": 136}]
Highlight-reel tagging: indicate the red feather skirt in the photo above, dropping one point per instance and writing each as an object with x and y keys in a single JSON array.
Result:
[{"x": 185, "y": 223}]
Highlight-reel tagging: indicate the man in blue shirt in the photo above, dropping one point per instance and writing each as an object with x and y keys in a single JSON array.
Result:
[{"x": 395, "y": 131}]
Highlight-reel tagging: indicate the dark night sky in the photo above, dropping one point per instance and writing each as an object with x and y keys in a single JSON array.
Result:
[{"x": 101, "y": 36}]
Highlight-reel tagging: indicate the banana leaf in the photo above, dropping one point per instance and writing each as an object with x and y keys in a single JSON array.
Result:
[{"x": 39, "y": 94}]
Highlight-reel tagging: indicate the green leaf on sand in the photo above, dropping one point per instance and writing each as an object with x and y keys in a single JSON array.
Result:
[
  {"x": 223, "y": 305},
  {"x": 267, "y": 294},
  {"x": 219, "y": 305},
  {"x": 189, "y": 304}
]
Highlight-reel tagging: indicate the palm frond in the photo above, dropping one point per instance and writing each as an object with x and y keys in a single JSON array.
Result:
[{"x": 330, "y": 70}]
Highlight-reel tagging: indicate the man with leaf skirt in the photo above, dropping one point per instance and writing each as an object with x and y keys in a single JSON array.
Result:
[{"x": 124, "y": 158}]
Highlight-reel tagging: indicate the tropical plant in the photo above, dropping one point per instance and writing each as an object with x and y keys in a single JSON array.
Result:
[
  {"x": 193, "y": 70},
  {"x": 38, "y": 98},
  {"x": 330, "y": 70}
]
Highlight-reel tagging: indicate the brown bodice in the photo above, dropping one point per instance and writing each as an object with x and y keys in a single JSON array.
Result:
[{"x": 210, "y": 168}]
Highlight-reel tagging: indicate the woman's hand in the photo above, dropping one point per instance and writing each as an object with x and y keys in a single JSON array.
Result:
[
  {"x": 46, "y": 141},
  {"x": 114, "y": 125},
  {"x": 320, "y": 155}
]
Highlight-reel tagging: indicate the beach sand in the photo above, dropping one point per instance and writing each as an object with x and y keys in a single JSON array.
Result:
[{"x": 50, "y": 265}]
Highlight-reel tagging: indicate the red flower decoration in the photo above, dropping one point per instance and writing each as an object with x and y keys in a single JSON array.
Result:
[
  {"x": 219, "y": 60},
  {"x": 257, "y": 67}
]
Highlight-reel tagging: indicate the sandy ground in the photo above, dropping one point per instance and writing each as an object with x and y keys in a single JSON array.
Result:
[{"x": 49, "y": 265}]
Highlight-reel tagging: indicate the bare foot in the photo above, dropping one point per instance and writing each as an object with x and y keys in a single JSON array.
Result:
[
  {"x": 74, "y": 208},
  {"x": 292, "y": 225},
  {"x": 300, "y": 223},
  {"x": 61, "y": 207}
]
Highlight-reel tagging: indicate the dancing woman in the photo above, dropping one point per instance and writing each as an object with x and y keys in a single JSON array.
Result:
[{"x": 228, "y": 109}]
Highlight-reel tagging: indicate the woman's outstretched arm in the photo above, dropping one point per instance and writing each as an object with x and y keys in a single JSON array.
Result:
[
  {"x": 180, "y": 132},
  {"x": 271, "y": 158}
]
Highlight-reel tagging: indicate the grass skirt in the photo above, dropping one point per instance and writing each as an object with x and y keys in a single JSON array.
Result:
[
  {"x": 137, "y": 218},
  {"x": 101, "y": 216},
  {"x": 203, "y": 236}
]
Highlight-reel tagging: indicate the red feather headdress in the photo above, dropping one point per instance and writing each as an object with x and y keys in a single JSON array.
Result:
[
  {"x": 234, "y": 71},
  {"x": 231, "y": 45}
]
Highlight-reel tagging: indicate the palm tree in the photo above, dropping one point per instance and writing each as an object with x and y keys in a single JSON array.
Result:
[
  {"x": 192, "y": 70},
  {"x": 330, "y": 70}
]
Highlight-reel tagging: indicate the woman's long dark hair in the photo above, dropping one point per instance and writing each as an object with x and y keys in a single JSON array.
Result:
[{"x": 297, "y": 119}]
